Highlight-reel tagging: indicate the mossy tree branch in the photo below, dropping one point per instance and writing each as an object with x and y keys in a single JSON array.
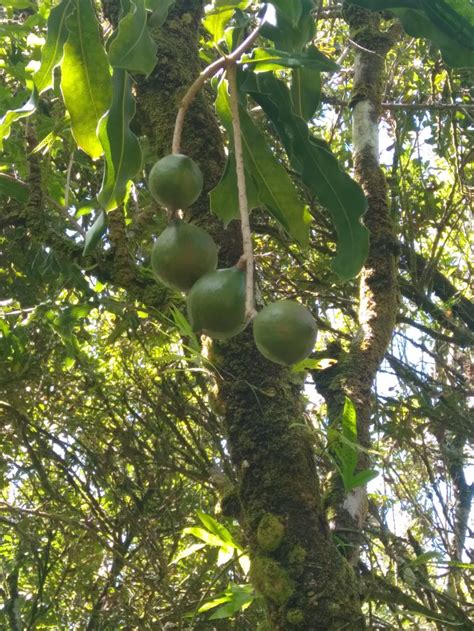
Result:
[{"x": 378, "y": 301}]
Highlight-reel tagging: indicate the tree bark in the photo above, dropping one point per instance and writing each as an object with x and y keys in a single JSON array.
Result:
[{"x": 306, "y": 584}]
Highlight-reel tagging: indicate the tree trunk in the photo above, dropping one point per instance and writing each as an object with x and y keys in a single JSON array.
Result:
[
  {"x": 378, "y": 302},
  {"x": 304, "y": 580}
]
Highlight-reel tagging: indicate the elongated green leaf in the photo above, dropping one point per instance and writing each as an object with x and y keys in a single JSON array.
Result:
[
  {"x": 14, "y": 188},
  {"x": 306, "y": 88},
  {"x": 53, "y": 49},
  {"x": 275, "y": 189},
  {"x": 236, "y": 597},
  {"x": 265, "y": 59},
  {"x": 236, "y": 603},
  {"x": 448, "y": 23},
  {"x": 294, "y": 26},
  {"x": 224, "y": 197},
  {"x": 206, "y": 536},
  {"x": 320, "y": 172},
  {"x": 290, "y": 9},
  {"x": 218, "y": 529},
  {"x": 187, "y": 552},
  {"x": 456, "y": 52},
  {"x": 133, "y": 48},
  {"x": 13, "y": 115},
  {"x": 305, "y": 92},
  {"x": 123, "y": 156},
  {"x": 359, "y": 479},
  {"x": 95, "y": 233},
  {"x": 85, "y": 78}
]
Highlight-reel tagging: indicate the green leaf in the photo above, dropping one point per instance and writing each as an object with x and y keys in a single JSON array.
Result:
[
  {"x": 85, "y": 78},
  {"x": 448, "y": 23},
  {"x": 53, "y": 49},
  {"x": 187, "y": 552},
  {"x": 359, "y": 479},
  {"x": 306, "y": 89},
  {"x": 275, "y": 188},
  {"x": 211, "y": 604},
  {"x": 13, "y": 115},
  {"x": 239, "y": 597},
  {"x": 320, "y": 172},
  {"x": 265, "y": 59},
  {"x": 224, "y": 197},
  {"x": 17, "y": 4},
  {"x": 133, "y": 48},
  {"x": 290, "y": 10},
  {"x": 457, "y": 51},
  {"x": 206, "y": 536},
  {"x": 185, "y": 328},
  {"x": 219, "y": 15},
  {"x": 294, "y": 26},
  {"x": 95, "y": 233},
  {"x": 14, "y": 188},
  {"x": 123, "y": 156},
  {"x": 344, "y": 447},
  {"x": 349, "y": 421},
  {"x": 160, "y": 10},
  {"x": 218, "y": 529},
  {"x": 216, "y": 21}
]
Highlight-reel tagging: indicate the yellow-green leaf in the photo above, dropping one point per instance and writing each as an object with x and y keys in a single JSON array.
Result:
[
  {"x": 53, "y": 49},
  {"x": 86, "y": 84},
  {"x": 133, "y": 48},
  {"x": 13, "y": 115},
  {"x": 123, "y": 156}
]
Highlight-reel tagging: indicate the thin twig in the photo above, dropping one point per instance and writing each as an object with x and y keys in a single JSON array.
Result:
[
  {"x": 208, "y": 72},
  {"x": 241, "y": 187}
]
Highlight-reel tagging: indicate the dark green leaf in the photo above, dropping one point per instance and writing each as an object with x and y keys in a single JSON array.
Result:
[
  {"x": 290, "y": 32},
  {"x": 85, "y": 78},
  {"x": 13, "y": 115},
  {"x": 275, "y": 189},
  {"x": 133, "y": 48},
  {"x": 264, "y": 59},
  {"x": 224, "y": 197},
  {"x": 53, "y": 49},
  {"x": 448, "y": 23},
  {"x": 306, "y": 89},
  {"x": 320, "y": 172},
  {"x": 457, "y": 52},
  {"x": 290, "y": 9},
  {"x": 95, "y": 233},
  {"x": 14, "y": 188},
  {"x": 359, "y": 479},
  {"x": 123, "y": 156}
]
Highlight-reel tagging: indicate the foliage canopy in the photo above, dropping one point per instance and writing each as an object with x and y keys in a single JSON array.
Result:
[{"x": 153, "y": 479}]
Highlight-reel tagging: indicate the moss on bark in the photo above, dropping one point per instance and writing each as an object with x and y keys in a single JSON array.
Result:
[{"x": 260, "y": 405}]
